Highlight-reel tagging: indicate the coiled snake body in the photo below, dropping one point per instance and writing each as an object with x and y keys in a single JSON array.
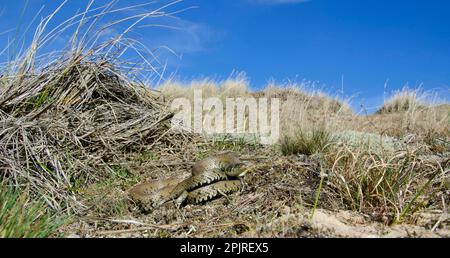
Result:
[{"x": 211, "y": 177}]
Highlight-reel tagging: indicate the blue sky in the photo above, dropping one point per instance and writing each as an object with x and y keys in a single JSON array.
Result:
[{"x": 357, "y": 44}]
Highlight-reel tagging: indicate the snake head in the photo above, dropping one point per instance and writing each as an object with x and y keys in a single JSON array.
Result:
[{"x": 228, "y": 160}]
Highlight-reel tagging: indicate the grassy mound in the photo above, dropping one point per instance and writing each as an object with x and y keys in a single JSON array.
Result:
[
  {"x": 301, "y": 105},
  {"x": 405, "y": 100},
  {"x": 68, "y": 117},
  {"x": 67, "y": 125}
]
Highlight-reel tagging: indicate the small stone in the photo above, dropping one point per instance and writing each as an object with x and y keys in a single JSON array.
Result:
[{"x": 73, "y": 235}]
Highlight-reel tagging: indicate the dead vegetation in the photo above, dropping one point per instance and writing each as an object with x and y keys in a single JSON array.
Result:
[
  {"x": 71, "y": 123},
  {"x": 390, "y": 166},
  {"x": 405, "y": 100},
  {"x": 68, "y": 118},
  {"x": 78, "y": 132}
]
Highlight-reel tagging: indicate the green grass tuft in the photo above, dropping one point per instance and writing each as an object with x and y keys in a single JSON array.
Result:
[
  {"x": 306, "y": 143},
  {"x": 381, "y": 183},
  {"x": 22, "y": 218}
]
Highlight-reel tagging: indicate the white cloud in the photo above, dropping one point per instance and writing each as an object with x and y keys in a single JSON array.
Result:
[
  {"x": 278, "y": 2},
  {"x": 188, "y": 37}
]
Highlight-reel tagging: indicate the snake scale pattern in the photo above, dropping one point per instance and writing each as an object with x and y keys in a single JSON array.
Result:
[{"x": 210, "y": 178}]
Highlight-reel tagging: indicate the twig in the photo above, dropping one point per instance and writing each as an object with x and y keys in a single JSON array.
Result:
[
  {"x": 122, "y": 231},
  {"x": 145, "y": 226},
  {"x": 162, "y": 164}
]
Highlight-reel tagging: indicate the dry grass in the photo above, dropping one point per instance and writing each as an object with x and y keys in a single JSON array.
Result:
[
  {"x": 404, "y": 100},
  {"x": 414, "y": 111},
  {"x": 66, "y": 123},
  {"x": 386, "y": 186},
  {"x": 307, "y": 143},
  {"x": 236, "y": 85},
  {"x": 303, "y": 108},
  {"x": 79, "y": 131},
  {"x": 389, "y": 165}
]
